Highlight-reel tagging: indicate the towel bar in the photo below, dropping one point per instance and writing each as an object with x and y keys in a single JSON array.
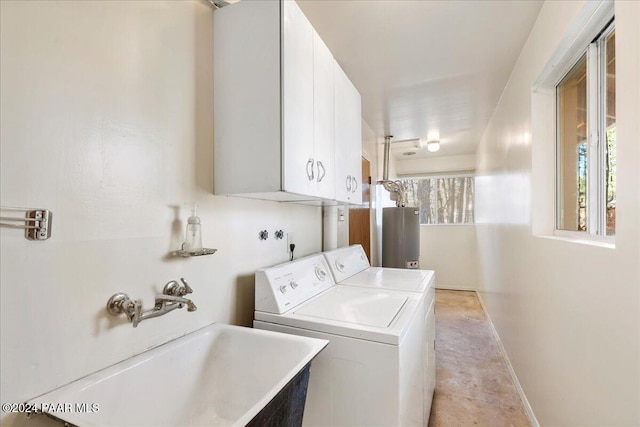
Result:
[{"x": 36, "y": 223}]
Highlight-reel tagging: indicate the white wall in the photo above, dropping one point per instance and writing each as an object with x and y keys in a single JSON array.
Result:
[
  {"x": 106, "y": 112},
  {"x": 567, "y": 313},
  {"x": 450, "y": 250}
]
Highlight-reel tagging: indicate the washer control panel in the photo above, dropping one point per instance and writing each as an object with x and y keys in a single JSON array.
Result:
[{"x": 280, "y": 288}]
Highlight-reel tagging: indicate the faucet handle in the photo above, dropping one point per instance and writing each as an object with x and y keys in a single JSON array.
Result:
[
  {"x": 187, "y": 288},
  {"x": 136, "y": 311},
  {"x": 176, "y": 289},
  {"x": 172, "y": 288},
  {"x": 121, "y": 303}
]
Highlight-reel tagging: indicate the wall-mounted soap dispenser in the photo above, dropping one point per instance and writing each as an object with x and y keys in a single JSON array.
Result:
[
  {"x": 193, "y": 236},
  {"x": 192, "y": 245}
]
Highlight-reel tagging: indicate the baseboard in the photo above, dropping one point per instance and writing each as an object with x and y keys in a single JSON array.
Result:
[
  {"x": 455, "y": 288},
  {"x": 523, "y": 397}
]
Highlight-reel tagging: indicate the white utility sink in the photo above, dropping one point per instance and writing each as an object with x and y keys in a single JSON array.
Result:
[{"x": 220, "y": 375}]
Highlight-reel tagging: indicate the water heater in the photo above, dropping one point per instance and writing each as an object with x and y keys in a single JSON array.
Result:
[{"x": 400, "y": 237}]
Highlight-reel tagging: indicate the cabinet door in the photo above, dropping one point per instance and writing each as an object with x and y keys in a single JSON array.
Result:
[
  {"x": 299, "y": 164},
  {"x": 355, "y": 139},
  {"x": 343, "y": 148},
  {"x": 323, "y": 119},
  {"x": 348, "y": 139}
]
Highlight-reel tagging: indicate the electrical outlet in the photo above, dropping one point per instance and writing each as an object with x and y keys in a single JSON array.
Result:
[{"x": 290, "y": 241}]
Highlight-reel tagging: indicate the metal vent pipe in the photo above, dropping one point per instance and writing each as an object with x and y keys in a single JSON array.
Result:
[{"x": 385, "y": 167}]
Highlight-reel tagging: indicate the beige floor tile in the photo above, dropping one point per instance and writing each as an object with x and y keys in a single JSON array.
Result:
[
  {"x": 456, "y": 411},
  {"x": 473, "y": 385}
]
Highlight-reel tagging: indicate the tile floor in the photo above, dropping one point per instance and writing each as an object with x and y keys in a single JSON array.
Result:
[{"x": 473, "y": 385}]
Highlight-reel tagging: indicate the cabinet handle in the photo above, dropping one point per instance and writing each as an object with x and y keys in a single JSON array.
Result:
[
  {"x": 349, "y": 183},
  {"x": 354, "y": 187},
  {"x": 324, "y": 171},
  {"x": 310, "y": 170}
]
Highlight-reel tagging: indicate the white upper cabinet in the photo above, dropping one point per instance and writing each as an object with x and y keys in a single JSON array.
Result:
[
  {"x": 348, "y": 139},
  {"x": 274, "y": 105}
]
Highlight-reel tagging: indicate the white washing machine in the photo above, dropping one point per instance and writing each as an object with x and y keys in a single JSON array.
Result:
[
  {"x": 350, "y": 267},
  {"x": 370, "y": 373}
]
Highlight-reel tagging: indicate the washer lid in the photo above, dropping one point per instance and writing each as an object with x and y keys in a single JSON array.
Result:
[
  {"x": 338, "y": 309},
  {"x": 350, "y": 305},
  {"x": 392, "y": 278}
]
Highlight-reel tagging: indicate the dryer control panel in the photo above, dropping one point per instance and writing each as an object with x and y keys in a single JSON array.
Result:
[
  {"x": 281, "y": 288},
  {"x": 347, "y": 261}
]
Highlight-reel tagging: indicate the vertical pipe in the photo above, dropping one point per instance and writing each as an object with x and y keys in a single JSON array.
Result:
[
  {"x": 330, "y": 228},
  {"x": 385, "y": 168}
]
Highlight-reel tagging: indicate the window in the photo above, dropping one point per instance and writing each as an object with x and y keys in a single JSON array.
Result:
[
  {"x": 586, "y": 141},
  {"x": 446, "y": 200}
]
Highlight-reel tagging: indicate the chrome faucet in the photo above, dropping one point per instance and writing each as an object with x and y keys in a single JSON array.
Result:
[{"x": 172, "y": 297}]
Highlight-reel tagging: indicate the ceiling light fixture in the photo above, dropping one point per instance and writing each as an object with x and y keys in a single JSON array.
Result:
[
  {"x": 433, "y": 146},
  {"x": 409, "y": 153}
]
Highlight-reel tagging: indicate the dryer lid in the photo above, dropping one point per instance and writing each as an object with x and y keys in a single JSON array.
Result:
[
  {"x": 392, "y": 278},
  {"x": 358, "y": 306}
]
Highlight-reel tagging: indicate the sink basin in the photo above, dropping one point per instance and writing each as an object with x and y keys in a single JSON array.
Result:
[{"x": 220, "y": 375}]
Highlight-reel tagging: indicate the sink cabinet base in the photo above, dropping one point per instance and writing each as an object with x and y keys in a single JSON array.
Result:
[{"x": 287, "y": 408}]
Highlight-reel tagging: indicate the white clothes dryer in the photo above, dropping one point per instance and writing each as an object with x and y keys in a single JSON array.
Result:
[
  {"x": 369, "y": 374},
  {"x": 350, "y": 267}
]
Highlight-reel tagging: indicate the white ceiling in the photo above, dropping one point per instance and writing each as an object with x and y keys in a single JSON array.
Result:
[{"x": 423, "y": 66}]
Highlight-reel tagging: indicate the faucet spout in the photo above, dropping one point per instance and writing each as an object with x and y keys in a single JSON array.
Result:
[{"x": 161, "y": 300}]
